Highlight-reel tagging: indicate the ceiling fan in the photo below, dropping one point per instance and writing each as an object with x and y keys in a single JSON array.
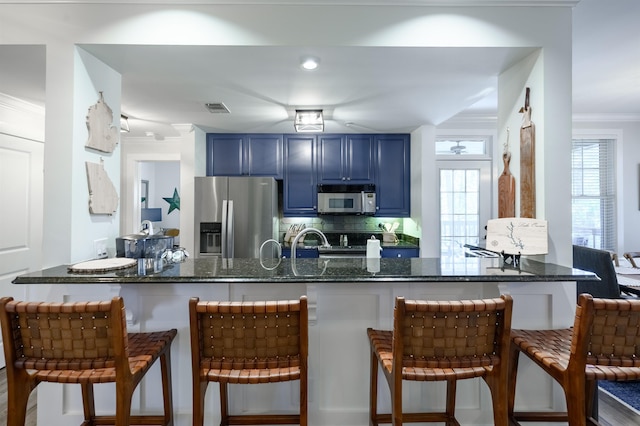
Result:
[{"x": 458, "y": 149}]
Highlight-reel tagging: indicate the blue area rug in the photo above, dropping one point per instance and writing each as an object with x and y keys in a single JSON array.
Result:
[{"x": 627, "y": 392}]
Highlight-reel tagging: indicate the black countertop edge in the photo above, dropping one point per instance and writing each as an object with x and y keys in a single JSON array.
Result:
[{"x": 352, "y": 270}]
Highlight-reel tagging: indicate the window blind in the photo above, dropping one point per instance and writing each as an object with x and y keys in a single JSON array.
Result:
[{"x": 593, "y": 193}]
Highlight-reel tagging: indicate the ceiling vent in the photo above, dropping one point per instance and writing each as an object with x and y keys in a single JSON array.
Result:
[{"x": 217, "y": 108}]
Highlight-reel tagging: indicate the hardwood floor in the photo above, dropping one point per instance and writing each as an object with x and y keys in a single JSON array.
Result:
[{"x": 612, "y": 412}]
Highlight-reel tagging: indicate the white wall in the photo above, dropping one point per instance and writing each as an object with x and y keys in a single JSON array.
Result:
[{"x": 91, "y": 77}]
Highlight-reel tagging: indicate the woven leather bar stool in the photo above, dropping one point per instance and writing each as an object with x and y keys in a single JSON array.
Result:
[
  {"x": 248, "y": 343},
  {"x": 442, "y": 341},
  {"x": 84, "y": 343},
  {"x": 603, "y": 344}
]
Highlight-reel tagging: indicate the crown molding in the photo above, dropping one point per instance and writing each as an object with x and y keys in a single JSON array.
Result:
[
  {"x": 438, "y": 3},
  {"x": 626, "y": 117},
  {"x": 11, "y": 103},
  {"x": 20, "y": 118},
  {"x": 472, "y": 118}
]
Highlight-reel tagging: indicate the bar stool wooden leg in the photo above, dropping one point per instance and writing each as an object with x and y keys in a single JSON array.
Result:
[
  {"x": 576, "y": 400},
  {"x": 499, "y": 398},
  {"x": 224, "y": 405},
  {"x": 514, "y": 354},
  {"x": 88, "y": 403},
  {"x": 451, "y": 403},
  {"x": 165, "y": 369},
  {"x": 396, "y": 400},
  {"x": 373, "y": 391},
  {"x": 18, "y": 397},
  {"x": 199, "y": 391},
  {"x": 124, "y": 393},
  {"x": 303, "y": 401},
  {"x": 590, "y": 392}
]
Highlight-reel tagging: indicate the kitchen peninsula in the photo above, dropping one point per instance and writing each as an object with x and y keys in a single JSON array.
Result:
[{"x": 346, "y": 295}]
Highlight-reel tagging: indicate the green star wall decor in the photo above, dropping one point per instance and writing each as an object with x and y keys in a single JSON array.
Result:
[{"x": 174, "y": 202}]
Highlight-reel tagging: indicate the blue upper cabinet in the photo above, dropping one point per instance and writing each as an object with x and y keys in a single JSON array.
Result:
[
  {"x": 265, "y": 155},
  {"x": 304, "y": 160},
  {"x": 225, "y": 154},
  {"x": 393, "y": 175},
  {"x": 300, "y": 193},
  {"x": 244, "y": 155},
  {"x": 345, "y": 159}
]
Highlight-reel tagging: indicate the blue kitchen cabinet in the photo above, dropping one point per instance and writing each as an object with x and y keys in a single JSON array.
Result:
[
  {"x": 300, "y": 192},
  {"x": 397, "y": 252},
  {"x": 225, "y": 154},
  {"x": 265, "y": 155},
  {"x": 244, "y": 155},
  {"x": 301, "y": 253},
  {"x": 345, "y": 159},
  {"x": 393, "y": 175}
]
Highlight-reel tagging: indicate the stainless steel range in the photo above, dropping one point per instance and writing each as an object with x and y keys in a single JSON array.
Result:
[{"x": 342, "y": 251}]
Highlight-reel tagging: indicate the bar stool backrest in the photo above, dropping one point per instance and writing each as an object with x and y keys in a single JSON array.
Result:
[
  {"x": 607, "y": 332},
  {"x": 66, "y": 336},
  {"x": 255, "y": 335},
  {"x": 450, "y": 334}
]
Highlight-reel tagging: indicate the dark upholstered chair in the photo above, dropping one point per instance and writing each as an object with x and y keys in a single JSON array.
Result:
[
  {"x": 599, "y": 262},
  {"x": 603, "y": 344},
  {"x": 84, "y": 343},
  {"x": 442, "y": 341}
]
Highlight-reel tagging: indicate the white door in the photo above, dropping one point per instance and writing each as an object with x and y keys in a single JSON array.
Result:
[
  {"x": 465, "y": 205},
  {"x": 21, "y": 186}
]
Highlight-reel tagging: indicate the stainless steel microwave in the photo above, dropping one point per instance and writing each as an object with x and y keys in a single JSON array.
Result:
[{"x": 347, "y": 199}]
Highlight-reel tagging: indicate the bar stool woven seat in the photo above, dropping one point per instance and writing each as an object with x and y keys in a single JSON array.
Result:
[
  {"x": 442, "y": 341},
  {"x": 603, "y": 344},
  {"x": 248, "y": 343},
  {"x": 83, "y": 343}
]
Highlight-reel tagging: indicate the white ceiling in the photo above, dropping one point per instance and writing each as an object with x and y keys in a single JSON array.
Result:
[{"x": 360, "y": 89}]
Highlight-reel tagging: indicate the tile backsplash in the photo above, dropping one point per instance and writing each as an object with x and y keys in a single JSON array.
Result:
[{"x": 338, "y": 223}]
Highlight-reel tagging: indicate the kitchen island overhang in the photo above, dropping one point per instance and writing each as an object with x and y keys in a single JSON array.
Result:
[
  {"x": 324, "y": 270},
  {"x": 345, "y": 297}
]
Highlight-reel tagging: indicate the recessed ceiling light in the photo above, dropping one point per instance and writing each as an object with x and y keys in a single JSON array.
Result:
[{"x": 309, "y": 63}]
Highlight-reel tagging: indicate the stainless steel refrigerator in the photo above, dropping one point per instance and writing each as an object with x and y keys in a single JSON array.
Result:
[{"x": 234, "y": 215}]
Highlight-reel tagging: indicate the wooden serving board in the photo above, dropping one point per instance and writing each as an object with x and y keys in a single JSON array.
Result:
[
  {"x": 506, "y": 190},
  {"x": 527, "y": 162},
  {"x": 103, "y": 265}
]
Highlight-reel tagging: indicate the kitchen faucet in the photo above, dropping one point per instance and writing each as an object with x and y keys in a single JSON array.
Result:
[
  {"x": 148, "y": 227},
  {"x": 305, "y": 231}
]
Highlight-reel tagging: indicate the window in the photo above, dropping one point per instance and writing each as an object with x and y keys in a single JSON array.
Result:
[
  {"x": 465, "y": 206},
  {"x": 593, "y": 196}
]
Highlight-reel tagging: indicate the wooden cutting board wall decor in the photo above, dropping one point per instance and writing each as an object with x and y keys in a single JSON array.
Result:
[
  {"x": 527, "y": 162},
  {"x": 506, "y": 186}
]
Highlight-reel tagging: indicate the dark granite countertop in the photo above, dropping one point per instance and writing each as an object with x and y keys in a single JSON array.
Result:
[{"x": 217, "y": 270}]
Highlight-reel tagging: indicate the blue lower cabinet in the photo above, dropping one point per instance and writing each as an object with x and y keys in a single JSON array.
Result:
[
  {"x": 400, "y": 252},
  {"x": 306, "y": 253}
]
